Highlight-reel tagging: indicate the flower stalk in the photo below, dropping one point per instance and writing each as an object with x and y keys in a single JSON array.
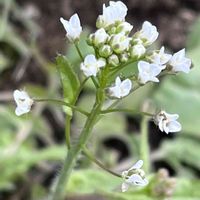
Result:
[
  {"x": 144, "y": 145},
  {"x": 93, "y": 159}
]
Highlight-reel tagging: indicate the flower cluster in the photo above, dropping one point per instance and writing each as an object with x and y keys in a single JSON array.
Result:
[{"x": 114, "y": 45}]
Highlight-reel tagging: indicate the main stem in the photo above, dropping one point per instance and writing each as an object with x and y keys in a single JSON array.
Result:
[
  {"x": 59, "y": 189},
  {"x": 144, "y": 146}
]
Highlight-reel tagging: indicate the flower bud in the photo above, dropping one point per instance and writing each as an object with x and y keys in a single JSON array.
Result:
[
  {"x": 124, "y": 27},
  {"x": 137, "y": 51},
  {"x": 90, "y": 39},
  {"x": 120, "y": 42},
  {"x": 124, "y": 57},
  {"x": 105, "y": 51},
  {"x": 100, "y": 37},
  {"x": 100, "y": 22},
  {"x": 113, "y": 60},
  {"x": 112, "y": 30}
]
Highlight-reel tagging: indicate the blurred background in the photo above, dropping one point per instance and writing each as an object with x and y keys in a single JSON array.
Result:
[{"x": 32, "y": 147}]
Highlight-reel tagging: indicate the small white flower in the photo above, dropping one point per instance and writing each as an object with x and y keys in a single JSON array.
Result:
[
  {"x": 115, "y": 12},
  {"x": 91, "y": 65},
  {"x": 23, "y": 101},
  {"x": 73, "y": 27},
  {"x": 100, "y": 37},
  {"x": 134, "y": 176},
  {"x": 180, "y": 63},
  {"x": 160, "y": 57},
  {"x": 124, "y": 27},
  {"x": 148, "y": 34},
  {"x": 148, "y": 72},
  {"x": 120, "y": 42},
  {"x": 167, "y": 122},
  {"x": 121, "y": 88},
  {"x": 137, "y": 51}
]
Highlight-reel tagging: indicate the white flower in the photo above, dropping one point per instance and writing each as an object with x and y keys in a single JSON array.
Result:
[
  {"x": 160, "y": 58},
  {"x": 167, "y": 122},
  {"x": 134, "y": 176},
  {"x": 137, "y": 51},
  {"x": 100, "y": 37},
  {"x": 148, "y": 72},
  {"x": 148, "y": 33},
  {"x": 180, "y": 63},
  {"x": 115, "y": 12},
  {"x": 91, "y": 65},
  {"x": 120, "y": 42},
  {"x": 73, "y": 27},
  {"x": 121, "y": 88},
  {"x": 23, "y": 101},
  {"x": 124, "y": 27}
]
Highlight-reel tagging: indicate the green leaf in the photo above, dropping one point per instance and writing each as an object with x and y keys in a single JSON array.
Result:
[{"x": 69, "y": 79}]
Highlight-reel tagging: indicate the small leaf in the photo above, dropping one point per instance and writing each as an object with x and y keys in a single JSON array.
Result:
[{"x": 69, "y": 79}]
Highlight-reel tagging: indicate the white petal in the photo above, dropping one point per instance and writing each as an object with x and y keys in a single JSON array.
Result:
[
  {"x": 20, "y": 111},
  {"x": 174, "y": 126},
  {"x": 101, "y": 63},
  {"x": 171, "y": 117},
  {"x": 125, "y": 187},
  {"x": 118, "y": 81},
  {"x": 137, "y": 180},
  {"x": 90, "y": 59},
  {"x": 75, "y": 21},
  {"x": 137, "y": 165},
  {"x": 126, "y": 84},
  {"x": 142, "y": 65}
]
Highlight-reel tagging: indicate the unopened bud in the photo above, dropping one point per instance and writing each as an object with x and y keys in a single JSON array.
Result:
[
  {"x": 90, "y": 39},
  {"x": 120, "y": 42},
  {"x": 124, "y": 27},
  {"x": 100, "y": 22},
  {"x": 137, "y": 51},
  {"x": 105, "y": 51},
  {"x": 113, "y": 60},
  {"x": 124, "y": 57},
  {"x": 100, "y": 37}
]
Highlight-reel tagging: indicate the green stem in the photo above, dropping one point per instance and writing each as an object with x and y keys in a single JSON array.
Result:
[
  {"x": 96, "y": 84},
  {"x": 60, "y": 102},
  {"x": 93, "y": 159},
  {"x": 126, "y": 111},
  {"x": 79, "y": 51},
  {"x": 144, "y": 145},
  {"x": 67, "y": 131},
  {"x": 115, "y": 71},
  {"x": 60, "y": 186}
]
